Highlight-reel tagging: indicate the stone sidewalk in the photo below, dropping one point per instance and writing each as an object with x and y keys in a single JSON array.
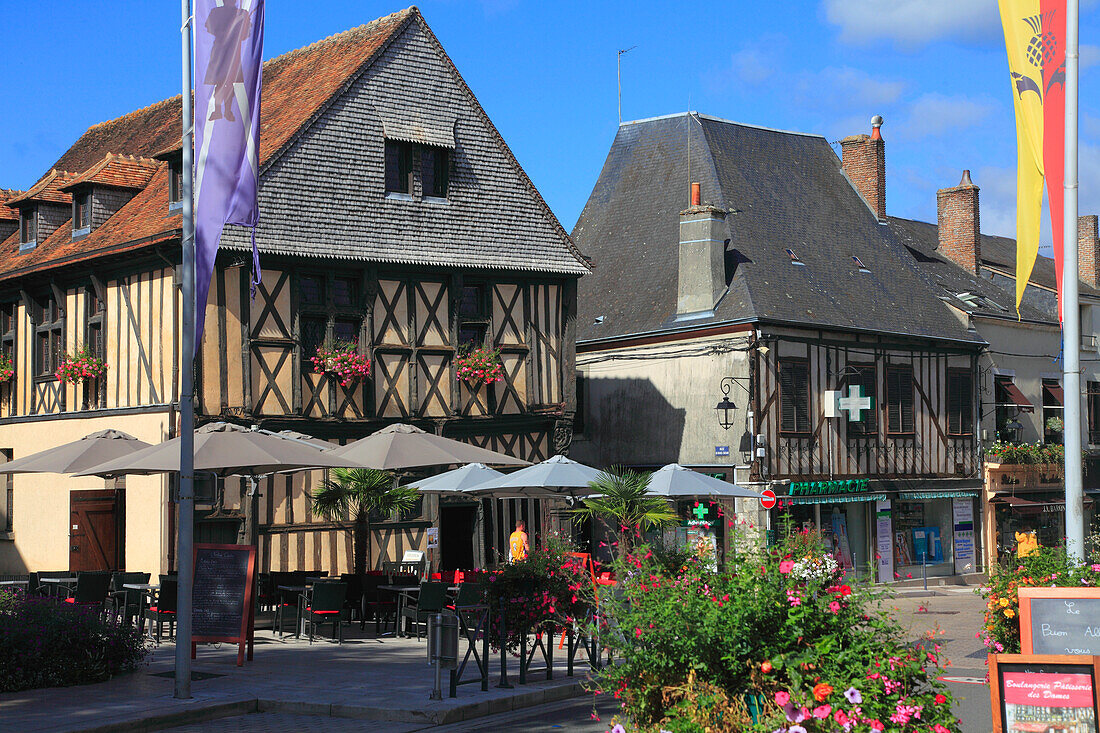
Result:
[{"x": 369, "y": 679}]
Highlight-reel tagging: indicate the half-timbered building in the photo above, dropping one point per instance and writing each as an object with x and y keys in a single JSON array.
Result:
[
  {"x": 779, "y": 285},
  {"x": 392, "y": 216}
]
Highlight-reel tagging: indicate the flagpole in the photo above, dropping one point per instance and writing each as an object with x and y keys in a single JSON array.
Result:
[
  {"x": 185, "y": 556},
  {"x": 1071, "y": 326}
]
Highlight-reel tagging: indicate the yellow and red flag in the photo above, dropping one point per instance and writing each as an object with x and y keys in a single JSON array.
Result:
[{"x": 1035, "y": 39}]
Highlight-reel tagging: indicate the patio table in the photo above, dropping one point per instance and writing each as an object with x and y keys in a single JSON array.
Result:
[
  {"x": 299, "y": 627},
  {"x": 66, "y": 582},
  {"x": 15, "y": 582},
  {"x": 403, "y": 592},
  {"x": 146, "y": 593}
]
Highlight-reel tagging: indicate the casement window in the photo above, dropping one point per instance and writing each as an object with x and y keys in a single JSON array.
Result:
[
  {"x": 7, "y": 347},
  {"x": 960, "y": 402},
  {"x": 794, "y": 396},
  {"x": 1053, "y": 411},
  {"x": 175, "y": 183},
  {"x": 399, "y": 167},
  {"x": 82, "y": 210},
  {"x": 473, "y": 317},
  {"x": 582, "y": 404},
  {"x": 95, "y": 390},
  {"x": 434, "y": 169},
  {"x": 7, "y": 523},
  {"x": 899, "y": 400},
  {"x": 49, "y": 338},
  {"x": 1092, "y": 403},
  {"x": 865, "y": 376},
  {"x": 1008, "y": 403},
  {"x": 28, "y": 226},
  {"x": 330, "y": 312}
]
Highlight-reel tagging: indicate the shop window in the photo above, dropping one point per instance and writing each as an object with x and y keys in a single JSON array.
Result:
[
  {"x": 960, "y": 402},
  {"x": 1093, "y": 404},
  {"x": 794, "y": 396},
  {"x": 899, "y": 400},
  {"x": 1053, "y": 411},
  {"x": 865, "y": 376}
]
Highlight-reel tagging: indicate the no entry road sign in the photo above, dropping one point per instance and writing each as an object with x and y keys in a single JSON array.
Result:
[{"x": 767, "y": 499}]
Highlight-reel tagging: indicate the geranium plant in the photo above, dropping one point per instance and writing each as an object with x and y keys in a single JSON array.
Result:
[
  {"x": 81, "y": 366},
  {"x": 343, "y": 361},
  {"x": 479, "y": 365},
  {"x": 7, "y": 368},
  {"x": 1026, "y": 453}
]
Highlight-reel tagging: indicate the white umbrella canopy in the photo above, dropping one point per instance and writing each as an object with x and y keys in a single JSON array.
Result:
[
  {"x": 407, "y": 446},
  {"x": 554, "y": 477},
  {"x": 460, "y": 479},
  {"x": 91, "y": 450},
  {"x": 227, "y": 450},
  {"x": 674, "y": 480}
]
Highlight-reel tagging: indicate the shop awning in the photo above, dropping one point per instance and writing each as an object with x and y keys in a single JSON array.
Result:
[
  {"x": 1014, "y": 501},
  {"x": 839, "y": 499},
  {"x": 1015, "y": 396},
  {"x": 923, "y": 495},
  {"x": 1054, "y": 391}
]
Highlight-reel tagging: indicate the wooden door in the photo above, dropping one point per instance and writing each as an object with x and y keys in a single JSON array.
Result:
[{"x": 95, "y": 525}]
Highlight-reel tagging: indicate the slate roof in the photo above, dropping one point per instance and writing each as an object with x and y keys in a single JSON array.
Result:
[
  {"x": 118, "y": 171},
  {"x": 783, "y": 190},
  {"x": 298, "y": 89},
  {"x": 7, "y": 213}
]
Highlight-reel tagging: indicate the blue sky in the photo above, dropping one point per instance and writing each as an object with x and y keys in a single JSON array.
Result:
[{"x": 545, "y": 72}]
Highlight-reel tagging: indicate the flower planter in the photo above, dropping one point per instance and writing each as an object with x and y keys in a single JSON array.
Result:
[
  {"x": 80, "y": 367},
  {"x": 343, "y": 363}
]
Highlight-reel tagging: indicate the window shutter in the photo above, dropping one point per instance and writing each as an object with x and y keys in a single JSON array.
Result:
[
  {"x": 905, "y": 386},
  {"x": 786, "y": 398},
  {"x": 794, "y": 397},
  {"x": 954, "y": 404},
  {"x": 899, "y": 399}
]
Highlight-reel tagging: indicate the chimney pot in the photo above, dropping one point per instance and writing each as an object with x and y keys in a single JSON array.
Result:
[
  {"x": 959, "y": 225},
  {"x": 696, "y": 197},
  {"x": 863, "y": 159},
  {"x": 701, "y": 278}
]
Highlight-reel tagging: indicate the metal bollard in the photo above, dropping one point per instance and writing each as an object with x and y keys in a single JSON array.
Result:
[
  {"x": 435, "y": 653},
  {"x": 442, "y": 648},
  {"x": 924, "y": 568},
  {"x": 504, "y": 683}
]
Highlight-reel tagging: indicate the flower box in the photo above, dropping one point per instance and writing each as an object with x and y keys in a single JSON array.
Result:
[
  {"x": 80, "y": 367},
  {"x": 479, "y": 366},
  {"x": 7, "y": 368},
  {"x": 343, "y": 362}
]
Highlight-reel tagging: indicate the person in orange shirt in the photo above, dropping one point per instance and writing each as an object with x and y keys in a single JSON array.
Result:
[{"x": 517, "y": 543}]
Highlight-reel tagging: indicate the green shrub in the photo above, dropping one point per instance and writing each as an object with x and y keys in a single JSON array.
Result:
[
  {"x": 44, "y": 643},
  {"x": 1047, "y": 566},
  {"x": 781, "y": 626}
]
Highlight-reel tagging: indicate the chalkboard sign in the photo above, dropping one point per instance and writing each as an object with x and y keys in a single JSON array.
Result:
[
  {"x": 1060, "y": 620},
  {"x": 222, "y": 597},
  {"x": 1043, "y": 692}
]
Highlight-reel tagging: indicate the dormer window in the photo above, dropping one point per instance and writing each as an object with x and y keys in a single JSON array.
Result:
[
  {"x": 433, "y": 171},
  {"x": 399, "y": 167},
  {"x": 82, "y": 212},
  {"x": 175, "y": 184},
  {"x": 28, "y": 228}
]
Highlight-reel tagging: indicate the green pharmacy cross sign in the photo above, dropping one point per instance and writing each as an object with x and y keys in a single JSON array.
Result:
[
  {"x": 818, "y": 488},
  {"x": 700, "y": 511},
  {"x": 855, "y": 403}
]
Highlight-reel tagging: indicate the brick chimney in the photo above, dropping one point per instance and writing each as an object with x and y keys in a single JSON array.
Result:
[
  {"x": 863, "y": 159},
  {"x": 1088, "y": 250},
  {"x": 702, "y": 274},
  {"x": 958, "y": 224}
]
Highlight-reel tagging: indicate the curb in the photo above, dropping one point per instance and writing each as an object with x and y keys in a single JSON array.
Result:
[{"x": 203, "y": 712}]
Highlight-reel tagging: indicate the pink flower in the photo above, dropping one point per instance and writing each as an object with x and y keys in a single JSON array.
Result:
[
  {"x": 834, "y": 607},
  {"x": 782, "y": 698},
  {"x": 786, "y": 566},
  {"x": 822, "y": 711},
  {"x": 842, "y": 718}
]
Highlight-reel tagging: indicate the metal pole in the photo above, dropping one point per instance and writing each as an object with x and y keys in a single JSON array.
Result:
[
  {"x": 437, "y": 657},
  {"x": 186, "y": 506},
  {"x": 1071, "y": 326}
]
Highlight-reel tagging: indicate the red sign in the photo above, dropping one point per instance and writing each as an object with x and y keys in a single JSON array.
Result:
[
  {"x": 1048, "y": 690},
  {"x": 767, "y": 499}
]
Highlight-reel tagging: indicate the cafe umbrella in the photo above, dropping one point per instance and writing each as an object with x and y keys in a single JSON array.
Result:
[
  {"x": 674, "y": 481},
  {"x": 557, "y": 477},
  {"x": 79, "y": 455},
  {"x": 401, "y": 446},
  {"x": 459, "y": 479}
]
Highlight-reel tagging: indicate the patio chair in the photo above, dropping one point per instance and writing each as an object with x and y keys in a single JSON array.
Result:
[
  {"x": 126, "y": 602},
  {"x": 354, "y": 599},
  {"x": 91, "y": 589},
  {"x": 286, "y": 600},
  {"x": 432, "y": 598},
  {"x": 39, "y": 588},
  {"x": 469, "y": 594},
  {"x": 163, "y": 608},
  {"x": 265, "y": 592},
  {"x": 325, "y": 603},
  {"x": 379, "y": 604}
]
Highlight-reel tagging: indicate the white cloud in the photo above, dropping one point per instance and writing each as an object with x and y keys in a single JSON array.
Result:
[
  {"x": 1090, "y": 55},
  {"x": 846, "y": 87},
  {"x": 934, "y": 114},
  {"x": 912, "y": 22},
  {"x": 751, "y": 66}
]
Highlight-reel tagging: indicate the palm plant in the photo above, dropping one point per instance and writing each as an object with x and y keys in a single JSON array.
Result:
[
  {"x": 621, "y": 500},
  {"x": 348, "y": 497}
]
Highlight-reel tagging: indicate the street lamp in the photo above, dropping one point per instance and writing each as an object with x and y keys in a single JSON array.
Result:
[{"x": 725, "y": 410}]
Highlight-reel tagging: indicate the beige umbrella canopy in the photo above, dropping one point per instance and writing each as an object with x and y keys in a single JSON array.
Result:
[
  {"x": 227, "y": 450},
  {"x": 79, "y": 455},
  {"x": 406, "y": 446}
]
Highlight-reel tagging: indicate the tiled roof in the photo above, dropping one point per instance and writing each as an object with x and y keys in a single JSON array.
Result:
[
  {"x": 47, "y": 189},
  {"x": 120, "y": 171},
  {"x": 7, "y": 213},
  {"x": 781, "y": 190},
  {"x": 143, "y": 221}
]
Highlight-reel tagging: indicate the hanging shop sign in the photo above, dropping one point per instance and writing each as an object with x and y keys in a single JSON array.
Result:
[
  {"x": 962, "y": 511},
  {"x": 818, "y": 488}
]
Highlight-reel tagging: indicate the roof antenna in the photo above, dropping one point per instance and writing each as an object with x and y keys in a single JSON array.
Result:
[{"x": 619, "y": 76}]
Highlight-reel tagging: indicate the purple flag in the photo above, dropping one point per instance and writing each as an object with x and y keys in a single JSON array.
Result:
[{"x": 229, "y": 47}]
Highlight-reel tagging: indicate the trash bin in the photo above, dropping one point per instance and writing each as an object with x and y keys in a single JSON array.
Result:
[{"x": 448, "y": 634}]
